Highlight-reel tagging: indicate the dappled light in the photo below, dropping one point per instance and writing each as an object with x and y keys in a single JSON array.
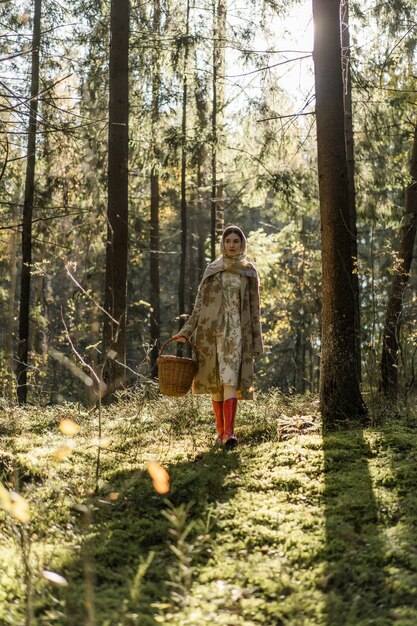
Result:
[{"x": 208, "y": 296}]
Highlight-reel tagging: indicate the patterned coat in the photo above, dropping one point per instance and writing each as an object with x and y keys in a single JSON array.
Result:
[{"x": 204, "y": 322}]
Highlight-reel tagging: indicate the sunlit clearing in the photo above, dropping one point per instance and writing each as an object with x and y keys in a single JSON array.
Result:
[
  {"x": 68, "y": 427},
  {"x": 160, "y": 477}
]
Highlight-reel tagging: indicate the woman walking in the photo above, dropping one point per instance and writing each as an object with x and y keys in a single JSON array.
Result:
[{"x": 226, "y": 320}]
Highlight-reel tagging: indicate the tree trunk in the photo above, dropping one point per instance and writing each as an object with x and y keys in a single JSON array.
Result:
[
  {"x": 115, "y": 296},
  {"x": 183, "y": 259},
  {"x": 202, "y": 225},
  {"x": 391, "y": 336},
  {"x": 350, "y": 157},
  {"x": 340, "y": 394},
  {"x": 219, "y": 63},
  {"x": 23, "y": 347},
  {"x": 154, "y": 221},
  {"x": 10, "y": 319}
]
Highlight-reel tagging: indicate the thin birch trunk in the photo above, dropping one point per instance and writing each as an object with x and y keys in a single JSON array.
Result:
[
  {"x": 219, "y": 63},
  {"x": 184, "y": 208},
  {"x": 201, "y": 204}
]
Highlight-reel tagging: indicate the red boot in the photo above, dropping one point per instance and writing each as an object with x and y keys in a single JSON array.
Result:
[
  {"x": 218, "y": 412},
  {"x": 229, "y": 412}
]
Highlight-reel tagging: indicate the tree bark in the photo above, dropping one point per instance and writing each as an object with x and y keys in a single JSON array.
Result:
[
  {"x": 350, "y": 158},
  {"x": 11, "y": 310},
  {"x": 340, "y": 394},
  {"x": 23, "y": 346},
  {"x": 202, "y": 154},
  {"x": 183, "y": 258},
  {"x": 115, "y": 295},
  {"x": 154, "y": 183},
  {"x": 391, "y": 337},
  {"x": 219, "y": 63}
]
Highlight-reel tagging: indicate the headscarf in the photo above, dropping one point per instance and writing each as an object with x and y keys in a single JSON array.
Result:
[{"x": 237, "y": 264}]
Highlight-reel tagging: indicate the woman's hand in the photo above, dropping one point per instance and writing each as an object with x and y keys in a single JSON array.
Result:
[{"x": 179, "y": 338}]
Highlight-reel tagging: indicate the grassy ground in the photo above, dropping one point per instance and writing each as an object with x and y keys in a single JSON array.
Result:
[{"x": 289, "y": 528}]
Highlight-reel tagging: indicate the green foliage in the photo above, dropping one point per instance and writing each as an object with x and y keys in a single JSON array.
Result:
[{"x": 266, "y": 166}]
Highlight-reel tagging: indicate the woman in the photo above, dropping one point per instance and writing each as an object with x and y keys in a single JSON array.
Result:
[{"x": 226, "y": 318}]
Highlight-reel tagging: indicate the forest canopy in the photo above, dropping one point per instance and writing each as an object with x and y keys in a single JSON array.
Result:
[{"x": 221, "y": 129}]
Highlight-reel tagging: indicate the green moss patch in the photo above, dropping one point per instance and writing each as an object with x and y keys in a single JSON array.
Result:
[{"x": 288, "y": 528}]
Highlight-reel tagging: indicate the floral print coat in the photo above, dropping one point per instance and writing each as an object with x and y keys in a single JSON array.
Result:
[{"x": 204, "y": 323}]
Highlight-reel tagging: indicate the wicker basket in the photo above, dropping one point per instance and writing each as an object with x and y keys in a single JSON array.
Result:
[{"x": 176, "y": 373}]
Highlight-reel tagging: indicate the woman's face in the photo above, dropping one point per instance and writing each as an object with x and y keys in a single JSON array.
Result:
[{"x": 232, "y": 244}]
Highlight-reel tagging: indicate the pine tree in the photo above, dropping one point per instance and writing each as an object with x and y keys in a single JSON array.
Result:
[
  {"x": 340, "y": 394},
  {"x": 115, "y": 294}
]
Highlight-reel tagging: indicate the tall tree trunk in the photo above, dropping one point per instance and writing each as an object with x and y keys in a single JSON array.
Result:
[
  {"x": 11, "y": 292},
  {"x": 183, "y": 259},
  {"x": 115, "y": 295},
  {"x": 191, "y": 261},
  {"x": 23, "y": 347},
  {"x": 340, "y": 394},
  {"x": 202, "y": 226},
  {"x": 219, "y": 63},
  {"x": 154, "y": 221},
  {"x": 391, "y": 336},
  {"x": 350, "y": 158}
]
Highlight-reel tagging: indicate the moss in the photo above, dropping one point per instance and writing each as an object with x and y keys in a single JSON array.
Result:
[{"x": 289, "y": 528}]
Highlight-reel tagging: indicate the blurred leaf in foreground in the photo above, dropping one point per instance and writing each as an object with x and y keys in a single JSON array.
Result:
[
  {"x": 53, "y": 577},
  {"x": 160, "y": 477},
  {"x": 14, "y": 504},
  {"x": 68, "y": 427}
]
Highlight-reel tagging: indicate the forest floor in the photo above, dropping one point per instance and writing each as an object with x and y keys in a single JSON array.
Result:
[{"x": 288, "y": 528}]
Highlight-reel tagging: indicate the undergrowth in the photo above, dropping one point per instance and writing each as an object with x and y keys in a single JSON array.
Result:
[{"x": 291, "y": 527}]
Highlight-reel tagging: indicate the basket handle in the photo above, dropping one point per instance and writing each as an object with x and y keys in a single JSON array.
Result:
[{"x": 187, "y": 341}]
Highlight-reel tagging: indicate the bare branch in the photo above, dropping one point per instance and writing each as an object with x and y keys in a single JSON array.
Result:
[{"x": 75, "y": 281}]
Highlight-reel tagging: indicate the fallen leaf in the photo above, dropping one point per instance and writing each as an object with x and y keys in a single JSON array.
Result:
[
  {"x": 14, "y": 504},
  {"x": 160, "y": 477},
  {"x": 63, "y": 452},
  {"x": 68, "y": 427},
  {"x": 19, "y": 508}
]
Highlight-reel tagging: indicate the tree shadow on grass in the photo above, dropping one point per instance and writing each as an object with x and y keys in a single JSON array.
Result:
[
  {"x": 354, "y": 580},
  {"x": 397, "y": 482},
  {"x": 126, "y": 531}
]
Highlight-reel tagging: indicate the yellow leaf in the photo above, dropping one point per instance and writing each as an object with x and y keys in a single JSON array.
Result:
[
  {"x": 63, "y": 453},
  {"x": 160, "y": 477},
  {"x": 113, "y": 495},
  {"x": 14, "y": 504},
  {"x": 4, "y": 498},
  {"x": 68, "y": 427},
  {"x": 19, "y": 508}
]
